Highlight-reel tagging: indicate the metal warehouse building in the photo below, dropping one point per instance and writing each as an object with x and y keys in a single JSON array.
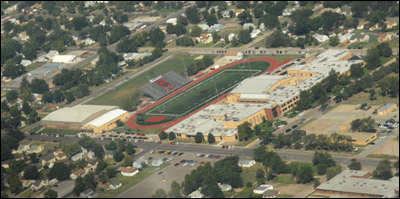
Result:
[
  {"x": 164, "y": 85},
  {"x": 92, "y": 118},
  {"x": 42, "y": 73}
]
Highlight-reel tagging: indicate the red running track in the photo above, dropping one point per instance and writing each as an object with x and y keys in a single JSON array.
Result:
[{"x": 274, "y": 64}]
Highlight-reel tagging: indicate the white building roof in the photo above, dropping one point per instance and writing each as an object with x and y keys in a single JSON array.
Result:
[
  {"x": 258, "y": 84},
  {"x": 76, "y": 114},
  {"x": 104, "y": 119},
  {"x": 64, "y": 58}
]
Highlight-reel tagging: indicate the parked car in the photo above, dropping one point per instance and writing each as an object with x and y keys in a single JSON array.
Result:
[{"x": 177, "y": 164}]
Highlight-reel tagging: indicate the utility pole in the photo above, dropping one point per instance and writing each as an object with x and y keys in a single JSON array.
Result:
[
  {"x": 216, "y": 89},
  {"x": 187, "y": 75},
  {"x": 251, "y": 71}
]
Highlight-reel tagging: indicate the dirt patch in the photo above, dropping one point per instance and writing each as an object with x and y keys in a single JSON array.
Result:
[{"x": 297, "y": 190}]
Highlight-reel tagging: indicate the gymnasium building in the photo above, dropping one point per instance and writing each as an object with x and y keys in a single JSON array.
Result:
[{"x": 85, "y": 118}]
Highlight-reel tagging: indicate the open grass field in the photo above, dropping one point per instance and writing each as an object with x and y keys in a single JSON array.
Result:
[
  {"x": 206, "y": 91},
  {"x": 249, "y": 174},
  {"x": 131, "y": 87}
]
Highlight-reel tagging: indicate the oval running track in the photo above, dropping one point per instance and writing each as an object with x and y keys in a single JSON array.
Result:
[{"x": 274, "y": 64}]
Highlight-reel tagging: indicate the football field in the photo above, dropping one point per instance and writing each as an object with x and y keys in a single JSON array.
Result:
[{"x": 206, "y": 91}]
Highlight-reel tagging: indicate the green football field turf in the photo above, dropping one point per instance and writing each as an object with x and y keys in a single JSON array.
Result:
[{"x": 206, "y": 91}]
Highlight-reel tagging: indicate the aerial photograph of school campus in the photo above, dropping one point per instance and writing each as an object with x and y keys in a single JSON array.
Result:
[{"x": 199, "y": 99}]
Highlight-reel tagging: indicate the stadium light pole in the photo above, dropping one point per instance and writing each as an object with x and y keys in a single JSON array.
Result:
[
  {"x": 187, "y": 75},
  {"x": 251, "y": 71},
  {"x": 216, "y": 89}
]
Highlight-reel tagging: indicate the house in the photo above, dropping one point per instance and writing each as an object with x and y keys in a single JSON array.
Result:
[
  {"x": 51, "y": 54},
  {"x": 27, "y": 183},
  {"x": 345, "y": 37},
  {"x": 254, "y": 33},
  {"x": 39, "y": 184},
  {"x": 77, "y": 157},
  {"x": 232, "y": 26},
  {"x": 362, "y": 25},
  {"x": 215, "y": 28},
  {"x": 374, "y": 27},
  {"x": 246, "y": 163},
  {"x": 226, "y": 14},
  {"x": 171, "y": 21},
  {"x": 263, "y": 188},
  {"x": 320, "y": 38},
  {"x": 203, "y": 26},
  {"x": 47, "y": 159},
  {"x": 233, "y": 55},
  {"x": 41, "y": 57},
  {"x": 75, "y": 174},
  {"x": 108, "y": 155},
  {"x": 91, "y": 166},
  {"x": 238, "y": 12},
  {"x": 196, "y": 194},
  {"x": 139, "y": 162},
  {"x": 88, "y": 193},
  {"x": 387, "y": 108},
  {"x": 59, "y": 154},
  {"x": 205, "y": 38},
  {"x": 53, "y": 181},
  {"x": 35, "y": 149},
  {"x": 359, "y": 38},
  {"x": 246, "y": 26},
  {"x": 262, "y": 27},
  {"x": 129, "y": 171},
  {"x": 272, "y": 193},
  {"x": 231, "y": 36},
  {"x": 384, "y": 37},
  {"x": 135, "y": 56},
  {"x": 224, "y": 187},
  {"x": 89, "y": 41},
  {"x": 213, "y": 7},
  {"x": 114, "y": 185},
  {"x": 390, "y": 24},
  {"x": 23, "y": 36},
  {"x": 21, "y": 148},
  {"x": 26, "y": 62}
]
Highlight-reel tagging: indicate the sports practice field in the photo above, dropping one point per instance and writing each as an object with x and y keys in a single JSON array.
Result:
[{"x": 209, "y": 89}]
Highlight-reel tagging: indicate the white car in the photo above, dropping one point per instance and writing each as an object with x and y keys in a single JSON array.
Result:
[
  {"x": 192, "y": 164},
  {"x": 207, "y": 156},
  {"x": 169, "y": 159},
  {"x": 198, "y": 155},
  {"x": 382, "y": 136},
  {"x": 184, "y": 164}
]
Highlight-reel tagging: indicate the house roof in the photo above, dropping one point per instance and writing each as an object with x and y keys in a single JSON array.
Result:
[
  {"x": 386, "y": 106},
  {"x": 109, "y": 116},
  {"x": 271, "y": 192},
  {"x": 128, "y": 169},
  {"x": 363, "y": 23},
  {"x": 79, "y": 172}
]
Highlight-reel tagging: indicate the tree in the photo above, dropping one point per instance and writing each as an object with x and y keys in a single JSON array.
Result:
[
  {"x": 316, "y": 182},
  {"x": 257, "y": 130},
  {"x": 323, "y": 158},
  {"x": 304, "y": 174},
  {"x": 128, "y": 161},
  {"x": 90, "y": 181},
  {"x": 199, "y": 137},
  {"x": 270, "y": 21},
  {"x": 356, "y": 71},
  {"x": 15, "y": 185},
  {"x": 334, "y": 41},
  {"x": 39, "y": 86},
  {"x": 58, "y": 46},
  {"x": 160, "y": 193},
  {"x": 333, "y": 171},
  {"x": 192, "y": 15},
  {"x": 58, "y": 96},
  {"x": 211, "y": 189},
  {"x": 11, "y": 96},
  {"x": 156, "y": 37},
  {"x": 211, "y": 138},
  {"x": 59, "y": 171},
  {"x": 384, "y": 49},
  {"x": 31, "y": 173},
  {"x": 321, "y": 169},
  {"x": 211, "y": 20},
  {"x": 260, "y": 176},
  {"x": 103, "y": 177},
  {"x": 101, "y": 166},
  {"x": 278, "y": 39},
  {"x": 111, "y": 146},
  {"x": 129, "y": 149},
  {"x": 372, "y": 58},
  {"x": 79, "y": 22},
  {"x": 245, "y": 131},
  {"x": 111, "y": 172},
  {"x": 163, "y": 135},
  {"x": 29, "y": 50},
  {"x": 245, "y": 17},
  {"x": 175, "y": 190},
  {"x": 33, "y": 158},
  {"x": 118, "y": 156},
  {"x": 383, "y": 171},
  {"x": 195, "y": 31},
  {"x": 79, "y": 186},
  {"x": 354, "y": 165},
  {"x": 244, "y": 36},
  {"x": 50, "y": 194},
  {"x": 171, "y": 136}
]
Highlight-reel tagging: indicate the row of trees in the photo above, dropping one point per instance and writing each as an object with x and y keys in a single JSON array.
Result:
[{"x": 360, "y": 125}]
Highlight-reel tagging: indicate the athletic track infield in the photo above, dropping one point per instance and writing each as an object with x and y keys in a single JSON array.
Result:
[{"x": 274, "y": 64}]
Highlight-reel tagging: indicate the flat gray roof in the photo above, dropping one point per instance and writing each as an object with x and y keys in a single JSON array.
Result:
[{"x": 388, "y": 105}]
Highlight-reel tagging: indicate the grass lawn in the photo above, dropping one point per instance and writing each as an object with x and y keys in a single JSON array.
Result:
[
  {"x": 131, "y": 87},
  {"x": 245, "y": 193},
  {"x": 364, "y": 98},
  {"x": 279, "y": 122},
  {"x": 382, "y": 156},
  {"x": 291, "y": 114},
  {"x": 201, "y": 45},
  {"x": 285, "y": 196},
  {"x": 314, "y": 168},
  {"x": 280, "y": 58},
  {"x": 27, "y": 194},
  {"x": 167, "y": 10},
  {"x": 249, "y": 174},
  {"x": 43, "y": 114},
  {"x": 53, "y": 131},
  {"x": 204, "y": 92},
  {"x": 266, "y": 127},
  {"x": 33, "y": 66},
  {"x": 394, "y": 43},
  {"x": 128, "y": 182},
  {"x": 245, "y": 143},
  {"x": 284, "y": 178}
]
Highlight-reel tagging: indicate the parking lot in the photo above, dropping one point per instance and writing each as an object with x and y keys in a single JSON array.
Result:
[{"x": 180, "y": 166}]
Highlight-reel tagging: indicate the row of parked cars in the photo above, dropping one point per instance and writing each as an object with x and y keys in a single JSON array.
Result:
[
  {"x": 389, "y": 124},
  {"x": 184, "y": 163},
  {"x": 200, "y": 155},
  {"x": 167, "y": 152}
]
